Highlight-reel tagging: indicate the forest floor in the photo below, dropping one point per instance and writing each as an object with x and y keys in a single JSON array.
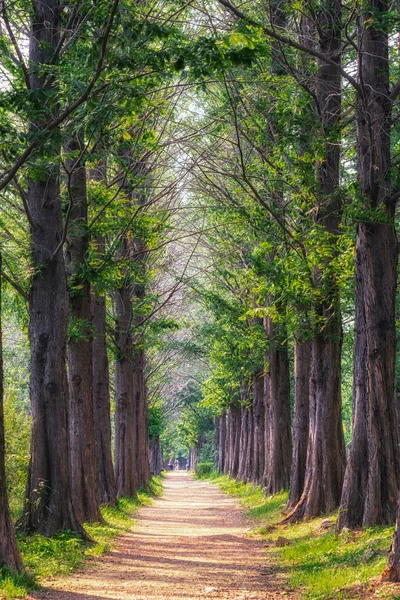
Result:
[{"x": 191, "y": 543}]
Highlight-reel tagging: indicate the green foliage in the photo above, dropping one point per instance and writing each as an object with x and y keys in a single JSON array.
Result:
[
  {"x": 206, "y": 452},
  {"x": 156, "y": 420},
  {"x": 17, "y": 435},
  {"x": 204, "y": 469},
  {"x": 15, "y": 585}
]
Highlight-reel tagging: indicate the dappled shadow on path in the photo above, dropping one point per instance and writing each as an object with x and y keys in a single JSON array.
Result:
[{"x": 190, "y": 544}]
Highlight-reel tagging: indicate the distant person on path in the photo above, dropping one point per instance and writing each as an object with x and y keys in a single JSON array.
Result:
[
  {"x": 170, "y": 464},
  {"x": 177, "y": 465}
]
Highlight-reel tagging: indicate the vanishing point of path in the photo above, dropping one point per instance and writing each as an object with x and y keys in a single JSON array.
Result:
[{"x": 191, "y": 543}]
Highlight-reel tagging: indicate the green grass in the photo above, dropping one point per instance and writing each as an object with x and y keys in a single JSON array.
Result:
[
  {"x": 321, "y": 565},
  {"x": 62, "y": 554}
]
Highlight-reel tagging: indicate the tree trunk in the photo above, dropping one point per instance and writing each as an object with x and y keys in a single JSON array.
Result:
[
  {"x": 142, "y": 435},
  {"x": 217, "y": 437},
  {"x": 258, "y": 430},
  {"x": 227, "y": 443},
  {"x": 49, "y": 505},
  {"x": 106, "y": 488},
  {"x": 371, "y": 484},
  {"x": 193, "y": 458},
  {"x": 222, "y": 443},
  {"x": 125, "y": 453},
  {"x": 9, "y": 553},
  {"x": 279, "y": 433},
  {"x": 248, "y": 461},
  {"x": 326, "y": 451},
  {"x": 156, "y": 457},
  {"x": 243, "y": 442},
  {"x": 302, "y": 369},
  {"x": 266, "y": 393},
  {"x": 84, "y": 485},
  {"x": 234, "y": 439}
]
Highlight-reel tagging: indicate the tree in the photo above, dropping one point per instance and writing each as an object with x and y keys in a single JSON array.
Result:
[
  {"x": 374, "y": 453},
  {"x": 83, "y": 456},
  {"x": 49, "y": 505}
]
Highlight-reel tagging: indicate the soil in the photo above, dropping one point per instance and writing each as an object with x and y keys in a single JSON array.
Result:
[{"x": 191, "y": 543}]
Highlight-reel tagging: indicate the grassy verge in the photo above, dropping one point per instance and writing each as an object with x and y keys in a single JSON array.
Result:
[
  {"x": 60, "y": 555},
  {"x": 321, "y": 564}
]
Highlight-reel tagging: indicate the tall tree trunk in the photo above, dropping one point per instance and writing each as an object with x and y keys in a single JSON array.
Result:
[
  {"x": 279, "y": 434},
  {"x": 193, "y": 458},
  {"x": 258, "y": 429},
  {"x": 227, "y": 442},
  {"x": 106, "y": 488},
  {"x": 243, "y": 441},
  {"x": 217, "y": 438},
  {"x": 236, "y": 442},
  {"x": 371, "y": 484},
  {"x": 142, "y": 435},
  {"x": 266, "y": 393},
  {"x": 302, "y": 370},
  {"x": 248, "y": 462},
  {"x": 156, "y": 457},
  {"x": 84, "y": 485},
  {"x": 222, "y": 443},
  {"x": 125, "y": 453},
  {"x": 49, "y": 506},
  {"x": 326, "y": 451},
  {"x": 9, "y": 552}
]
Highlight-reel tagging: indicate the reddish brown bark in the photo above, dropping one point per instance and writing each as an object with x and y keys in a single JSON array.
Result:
[
  {"x": 84, "y": 484},
  {"x": 106, "y": 488},
  {"x": 142, "y": 436},
  {"x": 155, "y": 457},
  {"x": 302, "y": 371},
  {"x": 258, "y": 429},
  {"x": 234, "y": 440},
  {"x": 125, "y": 450},
  {"x": 371, "y": 485},
  {"x": 326, "y": 452},
  {"x": 243, "y": 442},
  {"x": 248, "y": 461},
  {"x": 222, "y": 443},
  {"x": 279, "y": 453},
  {"x": 49, "y": 505}
]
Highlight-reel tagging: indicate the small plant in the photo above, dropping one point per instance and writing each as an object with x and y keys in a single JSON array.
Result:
[
  {"x": 204, "y": 469},
  {"x": 15, "y": 585}
]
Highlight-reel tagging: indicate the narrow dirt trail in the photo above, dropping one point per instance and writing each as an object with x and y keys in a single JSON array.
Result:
[{"x": 191, "y": 543}]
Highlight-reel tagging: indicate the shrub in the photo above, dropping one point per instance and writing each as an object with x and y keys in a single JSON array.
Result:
[{"x": 204, "y": 469}]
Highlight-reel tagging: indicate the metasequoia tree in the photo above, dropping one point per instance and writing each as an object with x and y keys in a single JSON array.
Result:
[
  {"x": 139, "y": 364},
  {"x": 84, "y": 482},
  {"x": 125, "y": 409},
  {"x": 326, "y": 452},
  {"x": 49, "y": 506},
  {"x": 301, "y": 419},
  {"x": 365, "y": 500},
  {"x": 371, "y": 483},
  {"x": 100, "y": 387}
]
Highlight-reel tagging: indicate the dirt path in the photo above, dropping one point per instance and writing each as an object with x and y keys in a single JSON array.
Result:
[{"x": 192, "y": 543}]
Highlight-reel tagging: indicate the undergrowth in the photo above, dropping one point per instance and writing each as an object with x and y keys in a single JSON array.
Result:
[
  {"x": 60, "y": 555},
  {"x": 321, "y": 564}
]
